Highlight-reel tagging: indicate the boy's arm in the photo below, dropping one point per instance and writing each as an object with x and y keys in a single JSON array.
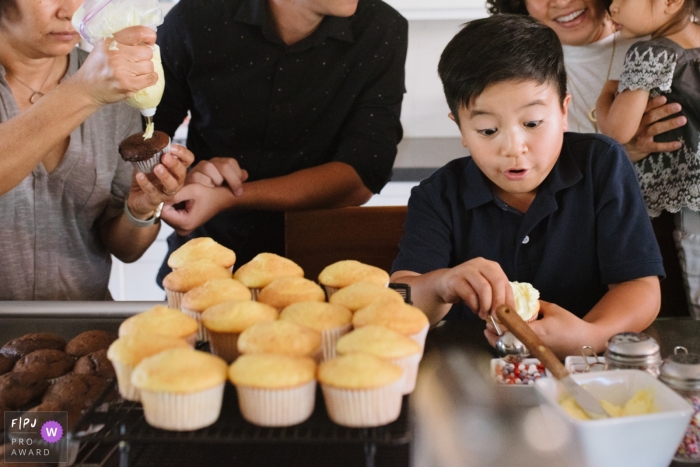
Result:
[
  {"x": 479, "y": 283},
  {"x": 620, "y": 116},
  {"x": 628, "y": 306}
]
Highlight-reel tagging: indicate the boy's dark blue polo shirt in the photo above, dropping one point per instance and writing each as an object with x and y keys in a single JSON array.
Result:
[{"x": 586, "y": 228}]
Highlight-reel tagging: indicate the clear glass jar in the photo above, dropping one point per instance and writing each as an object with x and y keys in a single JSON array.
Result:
[
  {"x": 681, "y": 372},
  {"x": 633, "y": 351}
]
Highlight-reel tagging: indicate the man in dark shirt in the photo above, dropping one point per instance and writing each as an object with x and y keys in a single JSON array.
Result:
[{"x": 292, "y": 107}]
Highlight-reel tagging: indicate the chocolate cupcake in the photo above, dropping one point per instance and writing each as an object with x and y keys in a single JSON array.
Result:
[
  {"x": 6, "y": 365},
  {"x": 145, "y": 154},
  {"x": 77, "y": 391},
  {"x": 96, "y": 364},
  {"x": 17, "y": 390},
  {"x": 89, "y": 342},
  {"x": 49, "y": 363},
  {"x": 21, "y": 346}
]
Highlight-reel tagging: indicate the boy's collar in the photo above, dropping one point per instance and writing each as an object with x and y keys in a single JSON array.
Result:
[{"x": 564, "y": 174}]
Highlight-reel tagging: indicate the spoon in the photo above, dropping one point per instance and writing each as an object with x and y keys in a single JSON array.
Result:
[{"x": 509, "y": 347}]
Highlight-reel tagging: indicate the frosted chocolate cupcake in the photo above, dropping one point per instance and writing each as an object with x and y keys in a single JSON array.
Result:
[
  {"x": 281, "y": 338},
  {"x": 163, "y": 321},
  {"x": 128, "y": 351},
  {"x": 212, "y": 292},
  {"x": 202, "y": 249},
  {"x": 362, "y": 294},
  {"x": 274, "y": 390},
  {"x": 144, "y": 154},
  {"x": 398, "y": 316},
  {"x": 344, "y": 273},
  {"x": 263, "y": 269},
  {"x": 189, "y": 276},
  {"x": 284, "y": 291},
  {"x": 388, "y": 345},
  {"x": 361, "y": 390},
  {"x": 226, "y": 321},
  {"x": 332, "y": 321},
  {"x": 181, "y": 389}
]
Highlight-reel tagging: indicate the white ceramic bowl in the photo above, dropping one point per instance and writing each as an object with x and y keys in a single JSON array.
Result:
[
  {"x": 640, "y": 441},
  {"x": 516, "y": 394}
]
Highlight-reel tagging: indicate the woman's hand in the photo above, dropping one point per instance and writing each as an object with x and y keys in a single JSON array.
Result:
[
  {"x": 146, "y": 194},
  {"x": 118, "y": 67},
  {"x": 642, "y": 144}
]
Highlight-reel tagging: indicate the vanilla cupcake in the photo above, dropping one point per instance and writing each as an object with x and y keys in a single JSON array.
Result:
[
  {"x": 527, "y": 300},
  {"x": 345, "y": 273},
  {"x": 388, "y": 345},
  {"x": 212, "y": 292},
  {"x": 161, "y": 320},
  {"x": 283, "y": 291},
  {"x": 397, "y": 316},
  {"x": 128, "y": 351},
  {"x": 202, "y": 249},
  {"x": 189, "y": 276},
  {"x": 274, "y": 390},
  {"x": 361, "y": 390},
  {"x": 281, "y": 338},
  {"x": 362, "y": 294},
  {"x": 181, "y": 389},
  {"x": 263, "y": 269},
  {"x": 332, "y": 321},
  {"x": 226, "y": 321}
]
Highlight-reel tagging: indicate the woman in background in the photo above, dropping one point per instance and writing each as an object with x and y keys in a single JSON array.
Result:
[{"x": 67, "y": 200}]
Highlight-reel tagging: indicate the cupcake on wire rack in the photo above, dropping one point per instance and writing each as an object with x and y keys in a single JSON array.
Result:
[
  {"x": 362, "y": 294},
  {"x": 283, "y": 291},
  {"x": 344, "y": 273},
  {"x": 397, "y": 316},
  {"x": 226, "y": 321},
  {"x": 181, "y": 389},
  {"x": 212, "y": 292},
  {"x": 163, "y": 321},
  {"x": 274, "y": 390},
  {"x": 202, "y": 249},
  {"x": 331, "y": 320},
  {"x": 183, "y": 279},
  {"x": 263, "y": 269},
  {"x": 281, "y": 337}
]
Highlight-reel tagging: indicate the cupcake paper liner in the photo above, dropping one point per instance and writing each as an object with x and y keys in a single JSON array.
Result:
[
  {"x": 224, "y": 344},
  {"x": 202, "y": 333},
  {"x": 255, "y": 292},
  {"x": 409, "y": 365},
  {"x": 182, "y": 412},
  {"x": 127, "y": 390},
  {"x": 329, "y": 339},
  {"x": 420, "y": 336},
  {"x": 147, "y": 166},
  {"x": 330, "y": 291},
  {"x": 364, "y": 407},
  {"x": 277, "y": 407},
  {"x": 174, "y": 298}
]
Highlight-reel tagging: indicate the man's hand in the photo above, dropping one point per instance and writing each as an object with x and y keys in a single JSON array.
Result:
[
  {"x": 480, "y": 283},
  {"x": 642, "y": 144},
  {"x": 194, "y": 205},
  {"x": 118, "y": 67},
  {"x": 217, "y": 171}
]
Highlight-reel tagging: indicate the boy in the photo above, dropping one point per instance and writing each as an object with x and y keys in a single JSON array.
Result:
[{"x": 562, "y": 211}]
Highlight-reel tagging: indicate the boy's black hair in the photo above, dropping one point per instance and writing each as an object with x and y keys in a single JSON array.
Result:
[{"x": 500, "y": 48}]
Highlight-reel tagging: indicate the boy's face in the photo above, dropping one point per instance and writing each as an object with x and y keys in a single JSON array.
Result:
[{"x": 514, "y": 131}]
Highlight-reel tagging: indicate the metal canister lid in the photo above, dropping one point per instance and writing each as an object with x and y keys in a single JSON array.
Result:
[
  {"x": 633, "y": 348},
  {"x": 681, "y": 370}
]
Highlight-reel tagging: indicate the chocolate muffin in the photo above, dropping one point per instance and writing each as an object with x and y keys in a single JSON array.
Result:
[
  {"x": 19, "y": 389},
  {"x": 46, "y": 362},
  {"x": 96, "y": 364},
  {"x": 55, "y": 406},
  {"x": 89, "y": 342},
  {"x": 77, "y": 391},
  {"x": 144, "y": 154},
  {"x": 5, "y": 364},
  {"x": 21, "y": 346}
]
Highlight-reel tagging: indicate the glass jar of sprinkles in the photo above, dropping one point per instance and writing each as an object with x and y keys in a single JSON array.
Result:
[
  {"x": 633, "y": 350},
  {"x": 681, "y": 372}
]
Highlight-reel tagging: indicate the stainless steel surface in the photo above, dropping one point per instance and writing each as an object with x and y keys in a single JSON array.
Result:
[
  {"x": 681, "y": 371},
  {"x": 633, "y": 350}
]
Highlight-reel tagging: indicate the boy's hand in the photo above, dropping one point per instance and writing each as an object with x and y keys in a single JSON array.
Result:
[{"x": 480, "y": 283}]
